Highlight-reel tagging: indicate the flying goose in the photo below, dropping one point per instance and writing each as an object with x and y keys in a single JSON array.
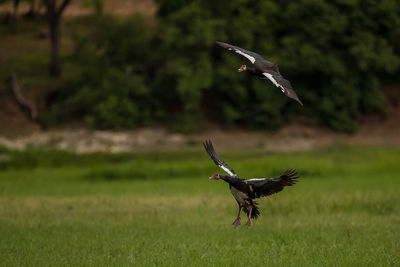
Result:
[{"x": 263, "y": 68}]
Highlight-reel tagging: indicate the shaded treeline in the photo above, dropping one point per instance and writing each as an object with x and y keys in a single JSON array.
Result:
[{"x": 136, "y": 71}]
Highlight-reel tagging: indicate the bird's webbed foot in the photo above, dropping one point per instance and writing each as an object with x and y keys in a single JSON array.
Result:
[
  {"x": 236, "y": 222},
  {"x": 249, "y": 223}
]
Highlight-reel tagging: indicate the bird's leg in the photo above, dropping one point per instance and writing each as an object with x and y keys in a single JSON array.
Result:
[
  {"x": 236, "y": 222},
  {"x": 249, "y": 219}
]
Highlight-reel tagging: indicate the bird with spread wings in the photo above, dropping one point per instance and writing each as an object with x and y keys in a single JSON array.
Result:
[
  {"x": 263, "y": 68},
  {"x": 246, "y": 190}
]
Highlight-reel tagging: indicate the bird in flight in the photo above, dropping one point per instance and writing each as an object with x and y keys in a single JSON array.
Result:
[
  {"x": 246, "y": 190},
  {"x": 263, "y": 68}
]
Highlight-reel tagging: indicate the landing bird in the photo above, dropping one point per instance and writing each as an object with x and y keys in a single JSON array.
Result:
[
  {"x": 246, "y": 190},
  {"x": 263, "y": 68}
]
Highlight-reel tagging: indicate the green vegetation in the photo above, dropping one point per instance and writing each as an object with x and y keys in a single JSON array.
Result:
[
  {"x": 125, "y": 72},
  {"x": 159, "y": 208},
  {"x": 334, "y": 67}
]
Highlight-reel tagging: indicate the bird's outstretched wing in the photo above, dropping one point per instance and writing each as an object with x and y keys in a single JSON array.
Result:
[
  {"x": 217, "y": 160},
  {"x": 271, "y": 70},
  {"x": 246, "y": 53},
  {"x": 282, "y": 84},
  {"x": 267, "y": 186}
]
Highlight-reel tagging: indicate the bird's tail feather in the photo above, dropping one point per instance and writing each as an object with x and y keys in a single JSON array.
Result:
[{"x": 254, "y": 213}]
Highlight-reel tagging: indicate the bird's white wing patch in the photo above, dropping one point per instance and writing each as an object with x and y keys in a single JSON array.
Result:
[
  {"x": 227, "y": 170},
  {"x": 252, "y": 59},
  {"x": 271, "y": 78},
  {"x": 254, "y": 179}
]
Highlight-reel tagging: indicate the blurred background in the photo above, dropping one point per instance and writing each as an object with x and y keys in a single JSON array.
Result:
[{"x": 151, "y": 68}]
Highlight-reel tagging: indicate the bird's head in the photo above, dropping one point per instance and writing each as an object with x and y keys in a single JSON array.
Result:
[
  {"x": 214, "y": 177},
  {"x": 242, "y": 68}
]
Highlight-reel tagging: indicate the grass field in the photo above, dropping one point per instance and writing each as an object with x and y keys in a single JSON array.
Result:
[{"x": 159, "y": 209}]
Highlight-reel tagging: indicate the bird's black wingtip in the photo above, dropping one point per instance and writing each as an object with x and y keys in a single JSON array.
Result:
[
  {"x": 207, "y": 142},
  {"x": 295, "y": 98},
  {"x": 221, "y": 44},
  {"x": 292, "y": 174},
  {"x": 208, "y": 146}
]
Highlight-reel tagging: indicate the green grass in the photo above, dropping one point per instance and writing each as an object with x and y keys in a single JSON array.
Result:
[{"x": 159, "y": 208}]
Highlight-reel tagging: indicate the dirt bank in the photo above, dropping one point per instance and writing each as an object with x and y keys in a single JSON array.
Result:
[{"x": 294, "y": 137}]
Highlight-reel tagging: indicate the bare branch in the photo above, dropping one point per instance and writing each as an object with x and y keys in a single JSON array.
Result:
[
  {"x": 64, "y": 4},
  {"x": 27, "y": 106}
]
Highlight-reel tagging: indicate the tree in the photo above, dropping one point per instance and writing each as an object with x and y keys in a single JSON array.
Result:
[
  {"x": 16, "y": 3},
  {"x": 31, "y": 11},
  {"x": 15, "y": 8},
  {"x": 335, "y": 68},
  {"x": 138, "y": 71},
  {"x": 54, "y": 15}
]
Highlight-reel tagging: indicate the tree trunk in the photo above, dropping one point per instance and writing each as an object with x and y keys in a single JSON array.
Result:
[
  {"x": 55, "y": 66},
  {"x": 99, "y": 7},
  {"x": 54, "y": 17},
  {"x": 15, "y": 11},
  {"x": 31, "y": 11}
]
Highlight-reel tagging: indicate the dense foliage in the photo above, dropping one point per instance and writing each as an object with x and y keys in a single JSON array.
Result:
[{"x": 132, "y": 72}]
